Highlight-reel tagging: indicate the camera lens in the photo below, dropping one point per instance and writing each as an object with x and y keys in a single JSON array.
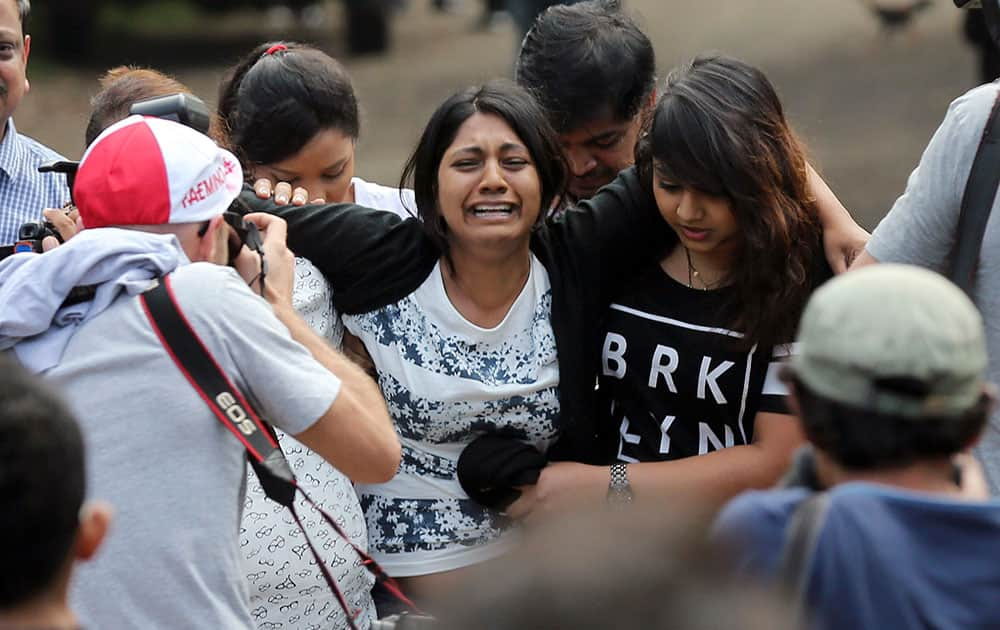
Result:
[{"x": 30, "y": 230}]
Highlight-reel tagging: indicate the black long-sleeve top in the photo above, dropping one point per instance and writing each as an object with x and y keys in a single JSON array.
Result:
[{"x": 373, "y": 258}]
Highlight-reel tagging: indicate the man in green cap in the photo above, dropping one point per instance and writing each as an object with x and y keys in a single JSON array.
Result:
[{"x": 888, "y": 382}]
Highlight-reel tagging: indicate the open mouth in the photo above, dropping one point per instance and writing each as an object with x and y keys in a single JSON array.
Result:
[{"x": 492, "y": 210}]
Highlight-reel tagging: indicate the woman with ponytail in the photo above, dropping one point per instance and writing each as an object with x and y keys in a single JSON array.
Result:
[{"x": 289, "y": 112}]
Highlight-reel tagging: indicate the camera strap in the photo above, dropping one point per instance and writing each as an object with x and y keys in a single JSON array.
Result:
[
  {"x": 233, "y": 410},
  {"x": 977, "y": 203}
]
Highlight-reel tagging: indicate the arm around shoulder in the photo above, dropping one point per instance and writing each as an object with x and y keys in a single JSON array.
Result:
[
  {"x": 370, "y": 256},
  {"x": 610, "y": 235}
]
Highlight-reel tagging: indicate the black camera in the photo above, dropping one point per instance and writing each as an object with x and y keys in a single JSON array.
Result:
[
  {"x": 187, "y": 109},
  {"x": 31, "y": 234},
  {"x": 245, "y": 233}
]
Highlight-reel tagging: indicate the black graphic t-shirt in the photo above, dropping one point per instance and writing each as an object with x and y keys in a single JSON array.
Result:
[{"x": 674, "y": 380}]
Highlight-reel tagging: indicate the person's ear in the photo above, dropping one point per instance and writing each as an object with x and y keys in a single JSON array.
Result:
[
  {"x": 95, "y": 520},
  {"x": 27, "y": 51},
  {"x": 651, "y": 100},
  {"x": 989, "y": 405},
  {"x": 211, "y": 241}
]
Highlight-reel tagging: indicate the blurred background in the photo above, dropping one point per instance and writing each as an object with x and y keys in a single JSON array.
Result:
[{"x": 864, "y": 91}]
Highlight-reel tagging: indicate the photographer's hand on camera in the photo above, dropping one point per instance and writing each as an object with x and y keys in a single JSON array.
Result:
[
  {"x": 279, "y": 261},
  {"x": 66, "y": 221}
]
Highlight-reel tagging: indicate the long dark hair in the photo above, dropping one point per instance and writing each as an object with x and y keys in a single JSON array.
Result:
[
  {"x": 279, "y": 96},
  {"x": 502, "y": 99},
  {"x": 720, "y": 128}
]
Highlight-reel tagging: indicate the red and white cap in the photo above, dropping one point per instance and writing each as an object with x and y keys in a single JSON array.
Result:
[{"x": 150, "y": 171}]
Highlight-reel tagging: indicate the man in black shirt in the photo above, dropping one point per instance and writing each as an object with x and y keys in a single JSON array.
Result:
[{"x": 598, "y": 133}]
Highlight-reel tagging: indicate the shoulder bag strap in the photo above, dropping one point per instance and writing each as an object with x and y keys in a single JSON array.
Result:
[
  {"x": 800, "y": 544},
  {"x": 977, "y": 202}
]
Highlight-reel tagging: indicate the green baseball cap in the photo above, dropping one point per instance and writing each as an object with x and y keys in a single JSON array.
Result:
[{"x": 893, "y": 339}]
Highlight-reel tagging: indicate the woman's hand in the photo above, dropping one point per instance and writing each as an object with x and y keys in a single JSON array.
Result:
[
  {"x": 562, "y": 486},
  {"x": 283, "y": 193},
  {"x": 843, "y": 239},
  {"x": 843, "y": 244}
]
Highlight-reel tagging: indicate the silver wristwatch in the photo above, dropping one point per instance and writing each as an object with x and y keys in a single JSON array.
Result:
[{"x": 619, "y": 490}]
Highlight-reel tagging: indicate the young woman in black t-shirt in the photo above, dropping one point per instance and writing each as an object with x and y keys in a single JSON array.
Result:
[{"x": 691, "y": 344}]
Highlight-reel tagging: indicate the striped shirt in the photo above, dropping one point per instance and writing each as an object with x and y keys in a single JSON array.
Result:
[{"x": 24, "y": 192}]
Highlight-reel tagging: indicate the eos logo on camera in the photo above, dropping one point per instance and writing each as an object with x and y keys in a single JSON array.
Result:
[{"x": 235, "y": 412}]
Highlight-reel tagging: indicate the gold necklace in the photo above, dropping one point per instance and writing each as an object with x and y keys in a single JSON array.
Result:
[{"x": 693, "y": 273}]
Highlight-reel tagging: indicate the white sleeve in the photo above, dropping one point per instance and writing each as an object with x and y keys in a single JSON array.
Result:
[
  {"x": 312, "y": 299},
  {"x": 920, "y": 229},
  {"x": 774, "y": 393}
]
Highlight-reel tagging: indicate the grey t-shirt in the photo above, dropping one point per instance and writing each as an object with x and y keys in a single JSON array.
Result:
[
  {"x": 174, "y": 474},
  {"x": 921, "y": 230}
]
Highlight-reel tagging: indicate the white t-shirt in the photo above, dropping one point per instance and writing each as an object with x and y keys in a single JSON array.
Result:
[
  {"x": 287, "y": 590},
  {"x": 174, "y": 474},
  {"x": 313, "y": 300},
  {"x": 399, "y": 201},
  {"x": 446, "y": 381}
]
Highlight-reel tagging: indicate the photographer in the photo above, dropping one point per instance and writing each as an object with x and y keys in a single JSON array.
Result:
[
  {"x": 23, "y": 190},
  {"x": 922, "y": 227},
  {"x": 174, "y": 472}
]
